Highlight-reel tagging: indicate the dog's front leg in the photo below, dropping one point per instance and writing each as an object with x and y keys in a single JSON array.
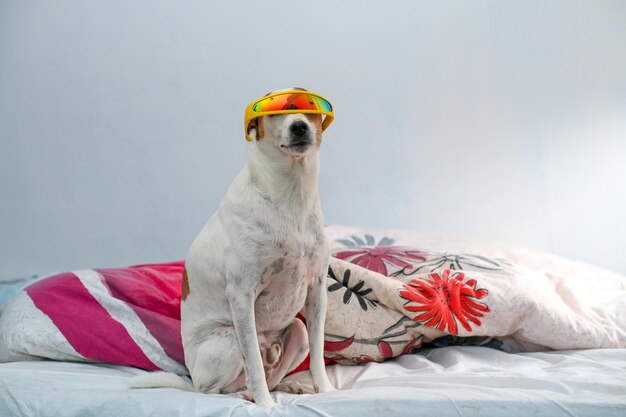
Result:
[
  {"x": 242, "y": 313},
  {"x": 316, "y": 316}
]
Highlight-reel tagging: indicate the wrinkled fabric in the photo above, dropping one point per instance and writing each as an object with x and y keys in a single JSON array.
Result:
[{"x": 446, "y": 382}]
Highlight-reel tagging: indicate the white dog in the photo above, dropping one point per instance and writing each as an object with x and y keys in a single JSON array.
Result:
[{"x": 259, "y": 260}]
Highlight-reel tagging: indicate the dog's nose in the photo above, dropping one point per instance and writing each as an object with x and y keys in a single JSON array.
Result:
[{"x": 299, "y": 128}]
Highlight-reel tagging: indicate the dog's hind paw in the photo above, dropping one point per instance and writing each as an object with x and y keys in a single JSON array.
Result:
[{"x": 294, "y": 387}]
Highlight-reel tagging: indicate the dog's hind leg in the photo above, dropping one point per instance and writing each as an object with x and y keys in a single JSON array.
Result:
[
  {"x": 217, "y": 362},
  {"x": 242, "y": 313}
]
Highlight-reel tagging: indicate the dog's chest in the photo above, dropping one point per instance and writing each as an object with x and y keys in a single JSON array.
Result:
[{"x": 286, "y": 279}]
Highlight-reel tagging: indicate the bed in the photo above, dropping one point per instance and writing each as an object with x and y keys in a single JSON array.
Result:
[{"x": 454, "y": 374}]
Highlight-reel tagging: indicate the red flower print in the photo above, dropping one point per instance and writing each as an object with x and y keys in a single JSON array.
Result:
[
  {"x": 385, "y": 350},
  {"x": 378, "y": 257},
  {"x": 336, "y": 346},
  {"x": 352, "y": 361},
  {"x": 413, "y": 344},
  {"x": 442, "y": 300}
]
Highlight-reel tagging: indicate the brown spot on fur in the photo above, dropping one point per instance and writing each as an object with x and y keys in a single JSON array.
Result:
[
  {"x": 185, "y": 291},
  {"x": 316, "y": 119}
]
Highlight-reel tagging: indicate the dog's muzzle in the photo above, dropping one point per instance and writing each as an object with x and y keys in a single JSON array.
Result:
[{"x": 299, "y": 136}]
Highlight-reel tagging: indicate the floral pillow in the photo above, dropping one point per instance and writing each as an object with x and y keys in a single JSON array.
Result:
[{"x": 386, "y": 300}]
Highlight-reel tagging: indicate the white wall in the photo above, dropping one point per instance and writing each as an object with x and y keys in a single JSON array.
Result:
[{"x": 121, "y": 122}]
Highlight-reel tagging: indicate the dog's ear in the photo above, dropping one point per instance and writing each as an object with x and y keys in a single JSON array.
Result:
[{"x": 255, "y": 128}]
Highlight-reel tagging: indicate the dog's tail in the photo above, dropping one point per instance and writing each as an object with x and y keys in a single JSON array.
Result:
[{"x": 162, "y": 380}]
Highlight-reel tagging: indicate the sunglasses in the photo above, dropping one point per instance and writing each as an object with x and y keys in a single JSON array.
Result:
[{"x": 287, "y": 102}]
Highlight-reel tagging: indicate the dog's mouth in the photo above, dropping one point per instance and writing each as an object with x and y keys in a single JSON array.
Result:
[{"x": 297, "y": 144}]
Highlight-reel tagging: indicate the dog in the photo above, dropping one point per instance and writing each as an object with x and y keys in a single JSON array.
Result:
[{"x": 261, "y": 259}]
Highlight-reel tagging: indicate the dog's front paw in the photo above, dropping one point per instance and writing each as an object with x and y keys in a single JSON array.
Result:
[
  {"x": 327, "y": 387},
  {"x": 267, "y": 402},
  {"x": 264, "y": 400}
]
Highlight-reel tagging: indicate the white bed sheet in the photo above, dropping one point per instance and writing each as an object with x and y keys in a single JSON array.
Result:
[{"x": 452, "y": 381}]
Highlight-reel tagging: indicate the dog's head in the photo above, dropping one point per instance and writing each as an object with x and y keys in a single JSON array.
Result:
[{"x": 294, "y": 134}]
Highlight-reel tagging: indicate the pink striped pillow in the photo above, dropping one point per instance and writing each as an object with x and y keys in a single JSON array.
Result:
[{"x": 124, "y": 316}]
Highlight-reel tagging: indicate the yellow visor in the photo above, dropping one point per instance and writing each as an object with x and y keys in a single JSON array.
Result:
[{"x": 287, "y": 102}]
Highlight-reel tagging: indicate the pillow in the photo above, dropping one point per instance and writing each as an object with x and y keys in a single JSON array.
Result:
[
  {"x": 10, "y": 288},
  {"x": 125, "y": 316},
  {"x": 389, "y": 291}
]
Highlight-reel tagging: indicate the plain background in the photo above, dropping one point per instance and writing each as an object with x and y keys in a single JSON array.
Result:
[{"x": 121, "y": 122}]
